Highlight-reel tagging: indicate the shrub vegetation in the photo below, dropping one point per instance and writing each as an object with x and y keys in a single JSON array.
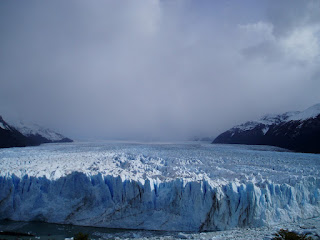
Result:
[
  {"x": 81, "y": 236},
  {"x": 285, "y": 234}
]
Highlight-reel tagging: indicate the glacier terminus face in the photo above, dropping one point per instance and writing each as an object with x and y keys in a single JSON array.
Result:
[{"x": 158, "y": 186}]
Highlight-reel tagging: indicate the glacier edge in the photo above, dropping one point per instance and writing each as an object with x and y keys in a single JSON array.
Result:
[{"x": 109, "y": 201}]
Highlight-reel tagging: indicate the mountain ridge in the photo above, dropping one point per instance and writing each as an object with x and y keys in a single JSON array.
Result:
[
  {"x": 22, "y": 135},
  {"x": 297, "y": 131}
]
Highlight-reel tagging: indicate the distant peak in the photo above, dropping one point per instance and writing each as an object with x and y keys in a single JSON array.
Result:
[
  {"x": 272, "y": 119},
  {"x": 310, "y": 112}
]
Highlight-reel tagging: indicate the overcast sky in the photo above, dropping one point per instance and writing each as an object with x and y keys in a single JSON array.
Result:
[{"x": 154, "y": 68}]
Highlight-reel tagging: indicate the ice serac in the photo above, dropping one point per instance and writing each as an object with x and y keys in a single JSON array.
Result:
[
  {"x": 297, "y": 131},
  {"x": 189, "y": 186},
  {"x": 110, "y": 201}
]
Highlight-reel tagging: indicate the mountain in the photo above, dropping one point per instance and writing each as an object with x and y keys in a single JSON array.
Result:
[
  {"x": 40, "y": 134},
  {"x": 22, "y": 135},
  {"x": 297, "y": 131},
  {"x": 10, "y": 137}
]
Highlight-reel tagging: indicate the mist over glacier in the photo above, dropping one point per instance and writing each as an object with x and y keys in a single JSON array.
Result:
[{"x": 156, "y": 69}]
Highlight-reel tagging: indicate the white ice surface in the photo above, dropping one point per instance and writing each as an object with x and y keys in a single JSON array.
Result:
[
  {"x": 217, "y": 164},
  {"x": 189, "y": 187}
]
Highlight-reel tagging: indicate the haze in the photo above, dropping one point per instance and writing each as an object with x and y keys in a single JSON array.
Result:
[{"x": 156, "y": 69}]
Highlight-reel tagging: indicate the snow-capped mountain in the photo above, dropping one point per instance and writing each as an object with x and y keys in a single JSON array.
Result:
[
  {"x": 21, "y": 135},
  {"x": 4, "y": 125},
  {"x": 40, "y": 134},
  {"x": 10, "y": 137},
  {"x": 297, "y": 131}
]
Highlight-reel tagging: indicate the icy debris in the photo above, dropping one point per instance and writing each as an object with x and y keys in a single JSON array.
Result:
[{"x": 263, "y": 233}]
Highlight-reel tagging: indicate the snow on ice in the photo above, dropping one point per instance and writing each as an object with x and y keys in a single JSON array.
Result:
[{"x": 181, "y": 187}]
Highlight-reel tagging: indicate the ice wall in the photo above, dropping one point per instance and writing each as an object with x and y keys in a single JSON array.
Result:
[{"x": 176, "y": 205}]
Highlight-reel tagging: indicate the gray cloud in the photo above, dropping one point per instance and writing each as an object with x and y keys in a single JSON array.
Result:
[
  {"x": 156, "y": 68},
  {"x": 288, "y": 15}
]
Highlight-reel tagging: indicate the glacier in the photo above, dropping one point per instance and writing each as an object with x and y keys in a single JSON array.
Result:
[{"x": 173, "y": 187}]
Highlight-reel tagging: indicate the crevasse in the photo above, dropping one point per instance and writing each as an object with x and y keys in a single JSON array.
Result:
[{"x": 108, "y": 201}]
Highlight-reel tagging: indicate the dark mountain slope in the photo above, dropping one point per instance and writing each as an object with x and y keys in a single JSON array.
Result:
[
  {"x": 22, "y": 135},
  {"x": 297, "y": 131},
  {"x": 10, "y": 137},
  {"x": 39, "y": 134}
]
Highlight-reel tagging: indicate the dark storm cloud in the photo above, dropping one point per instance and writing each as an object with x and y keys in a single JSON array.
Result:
[{"x": 156, "y": 68}]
